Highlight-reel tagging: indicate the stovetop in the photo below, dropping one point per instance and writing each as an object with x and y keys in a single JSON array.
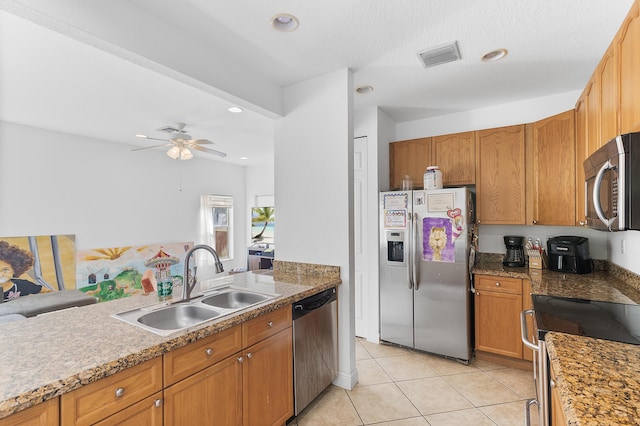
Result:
[{"x": 603, "y": 320}]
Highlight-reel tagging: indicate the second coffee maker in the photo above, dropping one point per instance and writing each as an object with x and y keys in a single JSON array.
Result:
[{"x": 515, "y": 252}]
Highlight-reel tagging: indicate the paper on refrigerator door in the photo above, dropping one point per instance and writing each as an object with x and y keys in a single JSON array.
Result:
[{"x": 438, "y": 242}]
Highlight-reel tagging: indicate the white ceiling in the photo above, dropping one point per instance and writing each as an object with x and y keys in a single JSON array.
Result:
[{"x": 110, "y": 69}]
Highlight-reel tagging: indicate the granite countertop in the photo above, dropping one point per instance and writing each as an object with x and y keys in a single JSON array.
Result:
[
  {"x": 597, "y": 285},
  {"x": 51, "y": 354},
  {"x": 598, "y": 380}
]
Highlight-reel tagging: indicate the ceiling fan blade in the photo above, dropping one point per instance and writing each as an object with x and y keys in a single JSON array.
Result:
[
  {"x": 200, "y": 141},
  {"x": 154, "y": 146},
  {"x": 157, "y": 139},
  {"x": 210, "y": 151}
]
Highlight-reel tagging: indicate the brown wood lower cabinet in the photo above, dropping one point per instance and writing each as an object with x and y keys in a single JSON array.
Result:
[
  {"x": 557, "y": 413},
  {"x": 45, "y": 414},
  {"x": 498, "y": 303},
  {"x": 253, "y": 386},
  {"x": 210, "y": 397},
  {"x": 99, "y": 400}
]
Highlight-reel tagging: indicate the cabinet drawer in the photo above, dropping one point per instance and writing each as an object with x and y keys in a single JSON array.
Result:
[
  {"x": 96, "y": 401},
  {"x": 495, "y": 283},
  {"x": 265, "y": 325},
  {"x": 199, "y": 355}
]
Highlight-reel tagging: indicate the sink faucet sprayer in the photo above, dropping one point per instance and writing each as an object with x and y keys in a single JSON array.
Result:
[{"x": 190, "y": 283}]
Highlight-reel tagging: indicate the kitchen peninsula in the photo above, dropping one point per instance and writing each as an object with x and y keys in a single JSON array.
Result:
[
  {"x": 57, "y": 353},
  {"x": 597, "y": 381}
]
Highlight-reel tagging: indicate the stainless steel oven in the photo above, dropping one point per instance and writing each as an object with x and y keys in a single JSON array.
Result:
[{"x": 540, "y": 374}]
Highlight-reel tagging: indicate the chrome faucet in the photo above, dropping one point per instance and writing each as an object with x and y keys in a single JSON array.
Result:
[{"x": 190, "y": 282}]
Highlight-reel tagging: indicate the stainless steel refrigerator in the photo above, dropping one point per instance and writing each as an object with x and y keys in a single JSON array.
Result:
[{"x": 425, "y": 250}]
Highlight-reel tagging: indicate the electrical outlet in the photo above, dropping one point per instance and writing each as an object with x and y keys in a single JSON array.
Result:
[{"x": 622, "y": 247}]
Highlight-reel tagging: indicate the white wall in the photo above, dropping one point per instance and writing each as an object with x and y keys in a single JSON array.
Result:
[
  {"x": 525, "y": 111},
  {"x": 106, "y": 195},
  {"x": 631, "y": 241},
  {"x": 314, "y": 190}
]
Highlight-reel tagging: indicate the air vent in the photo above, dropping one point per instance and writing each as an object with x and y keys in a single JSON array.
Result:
[{"x": 440, "y": 54}]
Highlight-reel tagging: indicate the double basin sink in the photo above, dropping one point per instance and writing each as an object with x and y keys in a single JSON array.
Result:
[{"x": 170, "y": 317}]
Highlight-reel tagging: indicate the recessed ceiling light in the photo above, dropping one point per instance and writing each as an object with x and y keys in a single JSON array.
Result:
[
  {"x": 235, "y": 109},
  {"x": 244, "y": 158},
  {"x": 142, "y": 136},
  {"x": 284, "y": 22},
  {"x": 494, "y": 55},
  {"x": 364, "y": 89}
]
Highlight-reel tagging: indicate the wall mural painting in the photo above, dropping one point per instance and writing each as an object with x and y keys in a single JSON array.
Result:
[
  {"x": 36, "y": 264},
  {"x": 112, "y": 273}
]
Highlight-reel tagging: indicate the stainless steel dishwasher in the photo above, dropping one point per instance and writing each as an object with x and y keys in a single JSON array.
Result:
[{"x": 315, "y": 346}]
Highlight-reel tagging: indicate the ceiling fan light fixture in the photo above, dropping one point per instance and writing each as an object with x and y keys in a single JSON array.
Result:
[
  {"x": 284, "y": 22},
  {"x": 185, "y": 154},
  {"x": 174, "y": 152}
]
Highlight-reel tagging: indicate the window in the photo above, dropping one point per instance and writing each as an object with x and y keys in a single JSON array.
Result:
[{"x": 217, "y": 223}]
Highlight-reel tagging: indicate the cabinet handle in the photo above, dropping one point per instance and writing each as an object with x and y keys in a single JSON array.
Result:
[
  {"x": 249, "y": 355},
  {"x": 240, "y": 359},
  {"x": 582, "y": 223},
  {"x": 497, "y": 284},
  {"x": 270, "y": 323},
  {"x": 478, "y": 221},
  {"x": 119, "y": 392},
  {"x": 535, "y": 221},
  {"x": 552, "y": 383},
  {"x": 477, "y": 293},
  {"x": 157, "y": 402},
  {"x": 208, "y": 351}
]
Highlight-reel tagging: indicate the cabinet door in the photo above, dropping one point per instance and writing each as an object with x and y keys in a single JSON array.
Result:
[
  {"x": 211, "y": 397},
  {"x": 557, "y": 412},
  {"x": 456, "y": 156},
  {"x": 593, "y": 116},
  {"x": 500, "y": 175},
  {"x": 581, "y": 155},
  {"x": 147, "y": 412},
  {"x": 609, "y": 95},
  {"x": 411, "y": 157},
  {"x": 44, "y": 414},
  {"x": 630, "y": 72},
  {"x": 551, "y": 189},
  {"x": 497, "y": 322},
  {"x": 268, "y": 381}
]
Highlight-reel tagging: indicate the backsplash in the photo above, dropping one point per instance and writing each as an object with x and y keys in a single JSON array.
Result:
[{"x": 283, "y": 269}]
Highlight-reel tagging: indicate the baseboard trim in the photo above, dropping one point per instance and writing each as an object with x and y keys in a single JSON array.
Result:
[{"x": 347, "y": 381}]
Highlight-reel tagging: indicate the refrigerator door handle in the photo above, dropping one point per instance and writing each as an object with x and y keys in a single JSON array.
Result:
[
  {"x": 414, "y": 250},
  {"x": 410, "y": 255}
]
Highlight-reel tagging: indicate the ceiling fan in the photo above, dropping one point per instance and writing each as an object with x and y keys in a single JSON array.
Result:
[{"x": 181, "y": 143}]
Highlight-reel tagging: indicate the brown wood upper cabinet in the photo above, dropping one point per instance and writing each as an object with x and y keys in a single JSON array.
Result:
[
  {"x": 629, "y": 62},
  {"x": 551, "y": 185},
  {"x": 456, "y": 156},
  {"x": 500, "y": 175},
  {"x": 410, "y": 157}
]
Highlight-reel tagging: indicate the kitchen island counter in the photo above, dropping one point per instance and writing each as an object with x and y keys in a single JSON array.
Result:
[
  {"x": 598, "y": 380},
  {"x": 52, "y": 354}
]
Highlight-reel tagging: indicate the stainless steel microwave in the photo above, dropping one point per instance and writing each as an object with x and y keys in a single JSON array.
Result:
[{"x": 612, "y": 185}]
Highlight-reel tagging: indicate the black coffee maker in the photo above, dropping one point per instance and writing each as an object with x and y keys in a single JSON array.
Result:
[{"x": 515, "y": 251}]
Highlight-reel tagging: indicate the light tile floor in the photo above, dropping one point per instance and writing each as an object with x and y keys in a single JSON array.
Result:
[{"x": 400, "y": 387}]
